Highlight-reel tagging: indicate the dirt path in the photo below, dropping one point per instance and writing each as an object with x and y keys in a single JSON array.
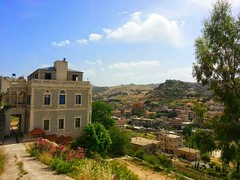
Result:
[
  {"x": 31, "y": 168},
  {"x": 144, "y": 174}
]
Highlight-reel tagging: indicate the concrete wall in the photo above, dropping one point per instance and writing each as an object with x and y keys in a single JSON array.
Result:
[
  {"x": 4, "y": 84},
  {"x": 69, "y": 121},
  {"x": 61, "y": 70},
  {"x": 70, "y": 97}
]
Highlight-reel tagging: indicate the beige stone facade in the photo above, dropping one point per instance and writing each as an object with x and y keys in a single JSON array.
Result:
[
  {"x": 149, "y": 146},
  {"x": 55, "y": 99},
  {"x": 188, "y": 153},
  {"x": 169, "y": 142}
]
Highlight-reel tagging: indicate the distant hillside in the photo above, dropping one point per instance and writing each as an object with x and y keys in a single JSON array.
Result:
[
  {"x": 169, "y": 90},
  {"x": 174, "y": 89},
  {"x": 130, "y": 92}
]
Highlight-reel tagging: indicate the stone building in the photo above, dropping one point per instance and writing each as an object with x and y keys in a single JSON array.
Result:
[
  {"x": 54, "y": 99},
  {"x": 169, "y": 142},
  {"x": 149, "y": 146}
]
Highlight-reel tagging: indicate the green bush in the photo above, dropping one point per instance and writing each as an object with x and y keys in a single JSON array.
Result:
[
  {"x": 120, "y": 171},
  {"x": 151, "y": 159},
  {"x": 61, "y": 166},
  {"x": 205, "y": 157},
  {"x": 165, "y": 161},
  {"x": 139, "y": 154}
]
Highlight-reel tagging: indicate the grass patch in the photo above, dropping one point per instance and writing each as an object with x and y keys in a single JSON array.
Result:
[
  {"x": 21, "y": 169},
  {"x": 3, "y": 158}
]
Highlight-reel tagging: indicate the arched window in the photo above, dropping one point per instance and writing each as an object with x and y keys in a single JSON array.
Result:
[
  {"x": 62, "y": 97},
  {"x": 21, "y": 98},
  {"x": 14, "y": 98},
  {"x": 47, "y": 98}
]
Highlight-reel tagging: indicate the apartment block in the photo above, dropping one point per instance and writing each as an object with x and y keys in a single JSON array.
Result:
[{"x": 169, "y": 142}]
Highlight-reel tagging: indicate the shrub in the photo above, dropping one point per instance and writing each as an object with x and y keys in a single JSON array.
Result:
[
  {"x": 120, "y": 171},
  {"x": 205, "y": 157},
  {"x": 45, "y": 158},
  {"x": 151, "y": 159},
  {"x": 165, "y": 161},
  {"x": 120, "y": 141},
  {"x": 61, "y": 166},
  {"x": 139, "y": 153}
]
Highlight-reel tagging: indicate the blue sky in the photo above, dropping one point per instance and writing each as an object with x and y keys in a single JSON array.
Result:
[{"x": 113, "y": 42}]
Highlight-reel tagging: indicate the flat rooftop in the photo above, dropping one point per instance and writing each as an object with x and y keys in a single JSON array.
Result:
[
  {"x": 143, "y": 141},
  {"x": 189, "y": 150}
]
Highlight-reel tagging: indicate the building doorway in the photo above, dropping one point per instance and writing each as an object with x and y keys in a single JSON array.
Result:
[{"x": 15, "y": 124}]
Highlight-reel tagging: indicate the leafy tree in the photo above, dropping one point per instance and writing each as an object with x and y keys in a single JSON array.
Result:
[
  {"x": 95, "y": 139},
  {"x": 102, "y": 113},
  {"x": 120, "y": 141},
  {"x": 200, "y": 110},
  {"x": 218, "y": 57},
  {"x": 203, "y": 140},
  {"x": 138, "y": 111},
  {"x": 187, "y": 131}
]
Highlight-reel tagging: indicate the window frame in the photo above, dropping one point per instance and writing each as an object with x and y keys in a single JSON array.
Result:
[
  {"x": 62, "y": 93},
  {"x": 75, "y": 122},
  {"x": 47, "y": 93},
  {"x": 58, "y": 124},
  {"x": 76, "y": 100},
  {"x": 47, "y": 76},
  {"x": 49, "y": 125}
]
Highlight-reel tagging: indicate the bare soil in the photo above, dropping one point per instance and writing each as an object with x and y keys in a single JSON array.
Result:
[{"x": 145, "y": 174}]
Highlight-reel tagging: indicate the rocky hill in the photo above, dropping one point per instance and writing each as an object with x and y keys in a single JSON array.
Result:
[
  {"x": 174, "y": 89},
  {"x": 169, "y": 90}
]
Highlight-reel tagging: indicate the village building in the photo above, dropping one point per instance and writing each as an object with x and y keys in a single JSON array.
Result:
[
  {"x": 149, "y": 146},
  {"x": 54, "y": 99},
  {"x": 188, "y": 153},
  {"x": 169, "y": 142}
]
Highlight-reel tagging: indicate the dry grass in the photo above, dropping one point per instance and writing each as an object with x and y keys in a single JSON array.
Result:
[
  {"x": 3, "y": 158},
  {"x": 89, "y": 170},
  {"x": 45, "y": 158}
]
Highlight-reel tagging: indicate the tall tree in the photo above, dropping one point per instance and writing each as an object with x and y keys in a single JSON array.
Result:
[
  {"x": 120, "y": 141},
  {"x": 218, "y": 65},
  {"x": 102, "y": 113}
]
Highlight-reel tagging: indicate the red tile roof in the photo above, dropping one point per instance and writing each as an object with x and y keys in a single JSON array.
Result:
[
  {"x": 64, "y": 139},
  {"x": 51, "y": 137},
  {"x": 37, "y": 131}
]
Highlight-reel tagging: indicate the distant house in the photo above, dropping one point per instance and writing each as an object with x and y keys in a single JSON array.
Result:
[
  {"x": 127, "y": 112},
  {"x": 54, "y": 99},
  {"x": 149, "y": 146},
  {"x": 188, "y": 153},
  {"x": 121, "y": 123},
  {"x": 169, "y": 142}
]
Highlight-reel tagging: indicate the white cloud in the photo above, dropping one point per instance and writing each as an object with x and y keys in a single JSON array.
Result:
[
  {"x": 97, "y": 62},
  {"x": 135, "y": 65},
  {"x": 154, "y": 27},
  {"x": 138, "y": 72},
  {"x": 89, "y": 72},
  {"x": 184, "y": 74},
  {"x": 94, "y": 37},
  {"x": 61, "y": 43},
  {"x": 81, "y": 41}
]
